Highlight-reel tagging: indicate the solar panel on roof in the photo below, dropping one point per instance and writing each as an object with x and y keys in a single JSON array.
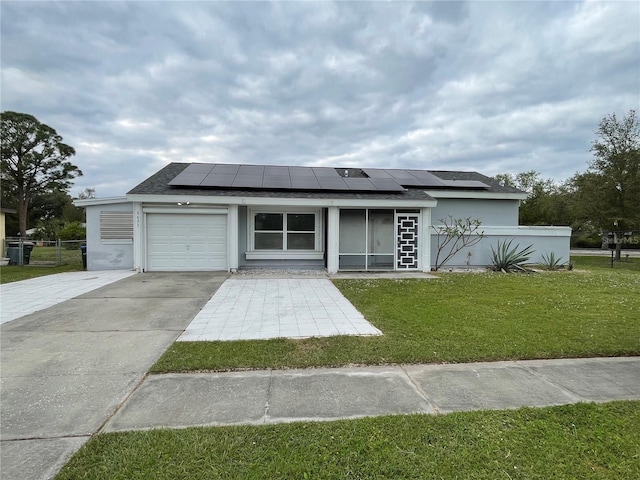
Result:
[
  {"x": 199, "y": 168},
  {"x": 409, "y": 182},
  {"x": 251, "y": 170},
  {"x": 272, "y": 176},
  {"x": 376, "y": 173},
  {"x": 247, "y": 181},
  {"x": 213, "y": 180},
  {"x": 386, "y": 184},
  {"x": 304, "y": 182},
  {"x": 301, "y": 172},
  {"x": 313, "y": 178},
  {"x": 397, "y": 173},
  {"x": 283, "y": 183},
  {"x": 332, "y": 183},
  {"x": 325, "y": 172},
  {"x": 359, "y": 184},
  {"x": 225, "y": 169},
  {"x": 465, "y": 184},
  {"x": 188, "y": 179},
  {"x": 426, "y": 179},
  {"x": 271, "y": 170}
]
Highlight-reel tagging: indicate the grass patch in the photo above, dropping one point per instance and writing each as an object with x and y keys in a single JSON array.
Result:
[
  {"x": 597, "y": 441},
  {"x": 600, "y": 263},
  {"x": 457, "y": 318},
  {"x": 70, "y": 261}
]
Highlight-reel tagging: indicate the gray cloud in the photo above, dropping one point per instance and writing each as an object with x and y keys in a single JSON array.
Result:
[{"x": 487, "y": 86}]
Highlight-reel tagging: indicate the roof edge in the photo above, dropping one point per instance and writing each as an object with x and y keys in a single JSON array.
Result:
[{"x": 88, "y": 202}]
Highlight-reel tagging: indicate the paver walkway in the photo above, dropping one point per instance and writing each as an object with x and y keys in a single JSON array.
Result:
[{"x": 257, "y": 309}]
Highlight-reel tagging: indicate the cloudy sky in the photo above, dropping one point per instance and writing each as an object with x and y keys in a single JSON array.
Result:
[{"x": 487, "y": 86}]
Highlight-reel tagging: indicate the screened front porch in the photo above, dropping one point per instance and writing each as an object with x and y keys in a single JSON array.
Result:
[{"x": 378, "y": 239}]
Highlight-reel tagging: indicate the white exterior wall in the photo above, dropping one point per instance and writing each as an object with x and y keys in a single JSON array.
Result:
[
  {"x": 333, "y": 239},
  {"x": 545, "y": 240},
  {"x": 107, "y": 254},
  {"x": 498, "y": 217},
  {"x": 488, "y": 211}
]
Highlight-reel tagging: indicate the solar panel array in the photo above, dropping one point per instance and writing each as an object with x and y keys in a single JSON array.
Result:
[{"x": 267, "y": 177}]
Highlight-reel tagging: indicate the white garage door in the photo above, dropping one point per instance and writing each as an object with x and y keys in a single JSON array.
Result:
[{"x": 183, "y": 242}]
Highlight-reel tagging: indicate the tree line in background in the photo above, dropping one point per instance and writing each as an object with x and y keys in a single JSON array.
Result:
[
  {"x": 604, "y": 198},
  {"x": 36, "y": 177},
  {"x": 35, "y": 180}
]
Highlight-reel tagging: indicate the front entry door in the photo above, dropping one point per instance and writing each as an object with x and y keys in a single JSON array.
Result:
[{"x": 407, "y": 241}]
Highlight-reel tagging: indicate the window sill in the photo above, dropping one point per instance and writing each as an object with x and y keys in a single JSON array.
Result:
[{"x": 284, "y": 255}]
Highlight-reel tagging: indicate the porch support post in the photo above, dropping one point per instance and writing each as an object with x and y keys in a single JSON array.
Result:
[
  {"x": 333, "y": 239},
  {"x": 425, "y": 235},
  {"x": 139, "y": 252},
  {"x": 232, "y": 238}
]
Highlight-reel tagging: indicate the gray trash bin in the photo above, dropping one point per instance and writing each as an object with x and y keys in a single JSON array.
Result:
[
  {"x": 13, "y": 252},
  {"x": 14, "y": 255}
]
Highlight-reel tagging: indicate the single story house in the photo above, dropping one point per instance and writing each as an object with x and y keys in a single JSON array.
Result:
[{"x": 207, "y": 217}]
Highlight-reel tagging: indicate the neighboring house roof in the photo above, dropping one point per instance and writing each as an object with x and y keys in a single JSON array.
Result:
[
  {"x": 398, "y": 184},
  {"x": 7, "y": 210}
]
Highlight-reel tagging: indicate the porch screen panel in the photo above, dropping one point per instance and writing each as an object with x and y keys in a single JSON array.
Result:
[
  {"x": 353, "y": 232},
  {"x": 381, "y": 240},
  {"x": 353, "y": 240},
  {"x": 352, "y": 262}
]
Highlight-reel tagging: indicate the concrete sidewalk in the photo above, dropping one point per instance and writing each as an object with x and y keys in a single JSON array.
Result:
[{"x": 276, "y": 396}]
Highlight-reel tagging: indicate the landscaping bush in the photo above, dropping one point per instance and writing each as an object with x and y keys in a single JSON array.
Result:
[
  {"x": 72, "y": 231},
  {"x": 551, "y": 262},
  {"x": 586, "y": 241},
  {"x": 507, "y": 259}
]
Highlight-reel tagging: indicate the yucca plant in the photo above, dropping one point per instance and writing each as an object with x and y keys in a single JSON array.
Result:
[
  {"x": 551, "y": 262},
  {"x": 508, "y": 259}
]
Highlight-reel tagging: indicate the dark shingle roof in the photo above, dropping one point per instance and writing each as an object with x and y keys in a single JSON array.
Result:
[
  {"x": 494, "y": 185},
  {"x": 159, "y": 184}
]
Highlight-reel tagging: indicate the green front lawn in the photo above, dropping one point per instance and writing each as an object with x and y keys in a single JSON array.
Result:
[
  {"x": 574, "y": 441},
  {"x": 591, "y": 311}
]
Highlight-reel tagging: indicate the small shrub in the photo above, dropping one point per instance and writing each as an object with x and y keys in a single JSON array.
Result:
[
  {"x": 453, "y": 235},
  {"x": 586, "y": 241},
  {"x": 508, "y": 259},
  {"x": 72, "y": 231},
  {"x": 551, "y": 262}
]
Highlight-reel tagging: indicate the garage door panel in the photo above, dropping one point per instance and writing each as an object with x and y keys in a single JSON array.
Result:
[{"x": 183, "y": 242}]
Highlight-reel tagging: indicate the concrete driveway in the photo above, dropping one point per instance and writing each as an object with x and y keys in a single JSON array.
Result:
[{"x": 67, "y": 368}]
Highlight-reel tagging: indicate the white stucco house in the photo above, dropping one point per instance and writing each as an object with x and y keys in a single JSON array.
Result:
[{"x": 208, "y": 217}]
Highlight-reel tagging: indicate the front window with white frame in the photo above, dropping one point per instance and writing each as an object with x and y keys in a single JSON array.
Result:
[{"x": 285, "y": 231}]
